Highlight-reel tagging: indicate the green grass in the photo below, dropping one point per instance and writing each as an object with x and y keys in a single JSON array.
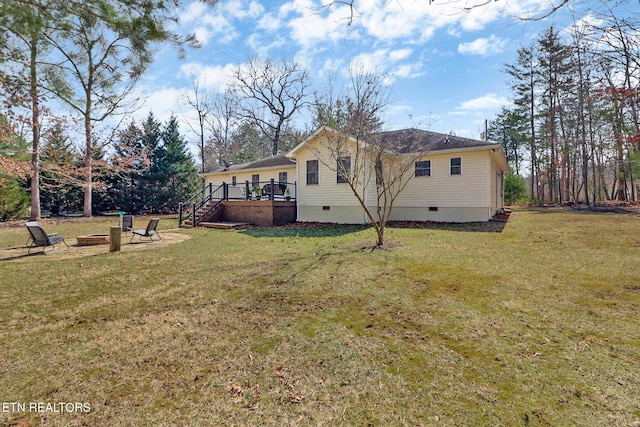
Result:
[{"x": 450, "y": 325}]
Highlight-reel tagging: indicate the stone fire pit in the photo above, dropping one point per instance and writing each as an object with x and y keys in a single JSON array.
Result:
[{"x": 93, "y": 239}]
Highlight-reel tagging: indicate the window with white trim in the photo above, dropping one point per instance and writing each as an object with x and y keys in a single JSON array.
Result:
[
  {"x": 344, "y": 169},
  {"x": 456, "y": 165},
  {"x": 312, "y": 172},
  {"x": 423, "y": 168}
]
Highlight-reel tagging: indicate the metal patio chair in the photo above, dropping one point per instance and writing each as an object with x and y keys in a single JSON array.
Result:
[
  {"x": 40, "y": 238},
  {"x": 127, "y": 223},
  {"x": 149, "y": 232}
]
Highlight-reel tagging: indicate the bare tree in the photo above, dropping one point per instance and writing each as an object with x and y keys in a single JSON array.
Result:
[
  {"x": 222, "y": 123},
  {"x": 536, "y": 12},
  {"x": 199, "y": 100},
  {"x": 361, "y": 154},
  {"x": 270, "y": 94}
]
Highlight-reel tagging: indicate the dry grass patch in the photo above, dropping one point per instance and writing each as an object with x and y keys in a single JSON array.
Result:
[{"x": 535, "y": 325}]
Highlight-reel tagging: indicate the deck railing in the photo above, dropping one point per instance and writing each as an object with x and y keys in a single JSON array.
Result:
[
  {"x": 198, "y": 206},
  {"x": 263, "y": 190}
]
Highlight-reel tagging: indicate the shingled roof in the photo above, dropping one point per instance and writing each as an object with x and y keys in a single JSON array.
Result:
[
  {"x": 270, "y": 162},
  {"x": 408, "y": 141},
  {"x": 412, "y": 140}
]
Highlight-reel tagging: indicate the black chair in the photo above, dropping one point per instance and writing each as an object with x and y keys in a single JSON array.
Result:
[
  {"x": 278, "y": 189},
  {"x": 149, "y": 232},
  {"x": 40, "y": 238},
  {"x": 127, "y": 223}
]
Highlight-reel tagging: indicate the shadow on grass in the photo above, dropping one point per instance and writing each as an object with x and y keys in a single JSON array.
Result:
[
  {"x": 300, "y": 229},
  {"x": 467, "y": 227}
]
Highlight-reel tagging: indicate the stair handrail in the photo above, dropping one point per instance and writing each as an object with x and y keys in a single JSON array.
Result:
[
  {"x": 195, "y": 196},
  {"x": 204, "y": 198}
]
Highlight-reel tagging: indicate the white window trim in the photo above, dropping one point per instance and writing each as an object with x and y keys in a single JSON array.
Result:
[{"x": 455, "y": 174}]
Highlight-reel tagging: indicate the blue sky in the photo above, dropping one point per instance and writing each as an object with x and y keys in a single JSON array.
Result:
[{"x": 443, "y": 63}]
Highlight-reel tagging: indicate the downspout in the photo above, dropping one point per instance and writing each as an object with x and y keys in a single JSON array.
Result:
[
  {"x": 297, "y": 190},
  {"x": 490, "y": 184},
  {"x": 502, "y": 190}
]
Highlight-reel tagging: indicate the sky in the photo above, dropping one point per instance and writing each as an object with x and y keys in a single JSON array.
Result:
[{"x": 442, "y": 62}]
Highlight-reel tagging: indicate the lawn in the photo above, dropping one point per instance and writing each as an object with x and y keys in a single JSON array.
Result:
[{"x": 538, "y": 324}]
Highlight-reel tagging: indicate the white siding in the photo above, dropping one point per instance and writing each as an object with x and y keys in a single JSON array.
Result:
[
  {"x": 245, "y": 175},
  {"x": 326, "y": 201},
  {"x": 327, "y": 191},
  {"x": 468, "y": 189},
  {"x": 469, "y": 196}
]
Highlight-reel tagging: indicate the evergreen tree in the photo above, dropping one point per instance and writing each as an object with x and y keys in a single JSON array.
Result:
[
  {"x": 525, "y": 85},
  {"x": 14, "y": 156},
  {"x": 176, "y": 167},
  {"x": 249, "y": 143},
  {"x": 152, "y": 180},
  {"x": 515, "y": 189},
  {"x": 60, "y": 178},
  {"x": 129, "y": 165},
  {"x": 509, "y": 129}
]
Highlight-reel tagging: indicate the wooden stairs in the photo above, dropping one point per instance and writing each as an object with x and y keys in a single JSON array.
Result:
[
  {"x": 206, "y": 219},
  {"x": 214, "y": 219}
]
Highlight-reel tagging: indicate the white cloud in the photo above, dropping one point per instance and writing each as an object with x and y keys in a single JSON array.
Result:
[
  {"x": 162, "y": 102},
  {"x": 269, "y": 22},
  {"x": 194, "y": 12},
  {"x": 219, "y": 21},
  {"x": 384, "y": 61},
  {"x": 483, "y": 46},
  {"x": 262, "y": 48},
  {"x": 211, "y": 77},
  {"x": 309, "y": 25},
  {"x": 399, "y": 54},
  {"x": 238, "y": 9},
  {"x": 486, "y": 102},
  {"x": 408, "y": 70},
  {"x": 221, "y": 27},
  {"x": 202, "y": 34}
]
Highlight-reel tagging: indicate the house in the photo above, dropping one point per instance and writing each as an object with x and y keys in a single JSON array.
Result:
[
  {"x": 450, "y": 178},
  {"x": 454, "y": 179}
]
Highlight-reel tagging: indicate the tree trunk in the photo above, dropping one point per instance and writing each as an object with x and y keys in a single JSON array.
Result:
[
  {"x": 88, "y": 164},
  {"x": 35, "y": 154},
  {"x": 380, "y": 231}
]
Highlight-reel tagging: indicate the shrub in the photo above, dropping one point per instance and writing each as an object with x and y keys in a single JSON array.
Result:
[{"x": 515, "y": 189}]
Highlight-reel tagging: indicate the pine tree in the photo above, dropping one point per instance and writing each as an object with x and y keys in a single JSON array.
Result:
[
  {"x": 14, "y": 198},
  {"x": 61, "y": 178},
  {"x": 509, "y": 129},
  {"x": 176, "y": 167},
  {"x": 525, "y": 87},
  {"x": 129, "y": 165}
]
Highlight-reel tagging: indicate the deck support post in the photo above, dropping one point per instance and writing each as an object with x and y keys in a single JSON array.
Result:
[{"x": 272, "y": 194}]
